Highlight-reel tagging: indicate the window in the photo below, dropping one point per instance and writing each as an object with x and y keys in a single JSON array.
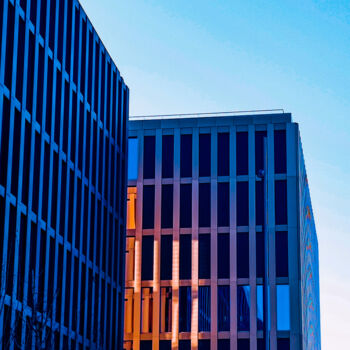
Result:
[
  {"x": 165, "y": 309},
  {"x": 204, "y": 154},
  {"x": 185, "y": 300},
  {"x": 261, "y": 344},
  {"x": 147, "y": 258},
  {"x": 132, "y": 158},
  {"x": 280, "y": 151},
  {"x": 260, "y": 254},
  {"x": 223, "y": 154},
  {"x": 204, "y": 256},
  {"x": 259, "y": 308},
  {"x": 242, "y": 153},
  {"x": 146, "y": 345},
  {"x": 146, "y": 309},
  {"x": 149, "y": 150},
  {"x": 148, "y": 207},
  {"x": 128, "y": 311},
  {"x": 242, "y": 204},
  {"x": 283, "y": 344},
  {"x": 166, "y": 257},
  {"x": 204, "y": 205},
  {"x": 167, "y": 206},
  {"x": 281, "y": 202},
  {"x": 186, "y": 156},
  {"x": 223, "y": 255},
  {"x": 164, "y": 344},
  {"x": 223, "y": 208},
  {"x": 283, "y": 323},
  {"x": 243, "y": 255},
  {"x": 185, "y": 256},
  {"x": 259, "y": 150},
  {"x": 184, "y": 344},
  {"x": 185, "y": 205},
  {"x": 223, "y": 344},
  {"x": 130, "y": 258},
  {"x": 281, "y": 246},
  {"x": 243, "y": 308},
  {"x": 259, "y": 203},
  {"x": 223, "y": 308},
  {"x": 167, "y": 156},
  {"x": 204, "y": 309},
  {"x": 243, "y": 344},
  {"x": 204, "y": 344}
]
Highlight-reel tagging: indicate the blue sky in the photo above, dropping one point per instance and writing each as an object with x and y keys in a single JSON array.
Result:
[{"x": 203, "y": 56}]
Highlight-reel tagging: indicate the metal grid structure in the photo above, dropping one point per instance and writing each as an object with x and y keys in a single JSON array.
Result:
[
  {"x": 141, "y": 335},
  {"x": 63, "y": 132}
]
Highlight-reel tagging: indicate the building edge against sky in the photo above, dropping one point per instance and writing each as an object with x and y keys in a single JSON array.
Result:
[
  {"x": 63, "y": 138},
  {"x": 293, "y": 248}
]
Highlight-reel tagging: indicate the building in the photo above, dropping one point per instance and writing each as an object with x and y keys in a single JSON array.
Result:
[
  {"x": 63, "y": 131},
  {"x": 195, "y": 241}
]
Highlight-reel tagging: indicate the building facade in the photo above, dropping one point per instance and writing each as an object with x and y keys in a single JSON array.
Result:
[
  {"x": 63, "y": 139},
  {"x": 195, "y": 256}
]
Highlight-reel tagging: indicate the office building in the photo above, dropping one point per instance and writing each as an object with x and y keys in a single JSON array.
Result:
[
  {"x": 195, "y": 256},
  {"x": 63, "y": 127}
]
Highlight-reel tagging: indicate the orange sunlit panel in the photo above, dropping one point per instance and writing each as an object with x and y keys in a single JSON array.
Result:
[{"x": 131, "y": 212}]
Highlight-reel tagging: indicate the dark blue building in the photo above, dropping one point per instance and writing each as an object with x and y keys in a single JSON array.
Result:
[{"x": 63, "y": 132}]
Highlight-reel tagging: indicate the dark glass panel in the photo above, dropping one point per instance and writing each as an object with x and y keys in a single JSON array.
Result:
[
  {"x": 223, "y": 344},
  {"x": 149, "y": 157},
  {"x": 147, "y": 258},
  {"x": 185, "y": 301},
  {"x": 243, "y": 344},
  {"x": 164, "y": 344},
  {"x": 186, "y": 156},
  {"x": 259, "y": 150},
  {"x": 148, "y": 207},
  {"x": 242, "y": 204},
  {"x": 165, "y": 309},
  {"x": 223, "y": 209},
  {"x": 223, "y": 154},
  {"x": 223, "y": 255},
  {"x": 204, "y": 205},
  {"x": 204, "y": 309},
  {"x": 281, "y": 202},
  {"x": 260, "y": 254},
  {"x": 204, "y": 344},
  {"x": 242, "y": 153},
  {"x": 185, "y": 205},
  {"x": 259, "y": 202},
  {"x": 185, "y": 256},
  {"x": 243, "y": 308},
  {"x": 167, "y": 156},
  {"x": 224, "y": 308},
  {"x": 167, "y": 206},
  {"x": 166, "y": 257},
  {"x": 281, "y": 246},
  {"x": 242, "y": 255},
  {"x": 5, "y": 132},
  {"x": 204, "y": 256},
  {"x": 204, "y": 154},
  {"x": 146, "y": 345},
  {"x": 184, "y": 344},
  {"x": 283, "y": 344},
  {"x": 280, "y": 151}
]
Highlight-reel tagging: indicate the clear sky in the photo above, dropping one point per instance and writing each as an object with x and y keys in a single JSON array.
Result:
[{"x": 180, "y": 56}]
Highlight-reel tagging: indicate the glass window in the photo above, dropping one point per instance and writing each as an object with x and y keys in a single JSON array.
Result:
[
  {"x": 223, "y": 308},
  {"x": 243, "y": 308},
  {"x": 280, "y": 151},
  {"x": 167, "y": 156},
  {"x": 283, "y": 344},
  {"x": 146, "y": 310},
  {"x": 184, "y": 344},
  {"x": 204, "y": 205},
  {"x": 242, "y": 153},
  {"x": 259, "y": 202},
  {"x": 204, "y": 154},
  {"x": 130, "y": 258},
  {"x": 128, "y": 311},
  {"x": 204, "y": 256},
  {"x": 166, "y": 257},
  {"x": 148, "y": 207},
  {"x": 259, "y": 308},
  {"x": 259, "y": 150},
  {"x": 242, "y": 204},
  {"x": 281, "y": 202},
  {"x": 204, "y": 309},
  {"x": 223, "y": 154},
  {"x": 223, "y": 204},
  {"x": 261, "y": 344},
  {"x": 223, "y": 344},
  {"x": 242, "y": 255},
  {"x": 185, "y": 301},
  {"x": 186, "y": 156},
  {"x": 165, "y": 309},
  {"x": 185, "y": 256},
  {"x": 281, "y": 246},
  {"x": 243, "y": 344},
  {"x": 147, "y": 258},
  {"x": 283, "y": 323},
  {"x": 167, "y": 206},
  {"x": 223, "y": 255},
  {"x": 146, "y": 345},
  {"x": 164, "y": 344},
  {"x": 149, "y": 150},
  {"x": 185, "y": 205},
  {"x": 204, "y": 344},
  {"x": 260, "y": 254},
  {"x": 132, "y": 158}
]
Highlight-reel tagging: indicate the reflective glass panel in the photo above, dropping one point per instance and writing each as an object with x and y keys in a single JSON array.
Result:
[
  {"x": 132, "y": 158},
  {"x": 243, "y": 308},
  {"x": 204, "y": 309},
  {"x": 283, "y": 312},
  {"x": 259, "y": 307}
]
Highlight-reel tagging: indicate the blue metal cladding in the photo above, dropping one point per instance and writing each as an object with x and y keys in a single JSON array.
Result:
[
  {"x": 310, "y": 293},
  {"x": 63, "y": 133}
]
